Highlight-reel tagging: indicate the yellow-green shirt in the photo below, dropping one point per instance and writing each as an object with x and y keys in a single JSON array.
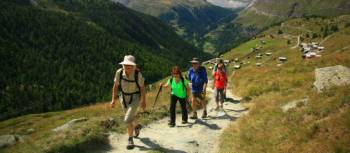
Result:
[{"x": 177, "y": 88}]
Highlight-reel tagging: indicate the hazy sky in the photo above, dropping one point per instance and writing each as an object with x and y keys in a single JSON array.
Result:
[{"x": 228, "y": 3}]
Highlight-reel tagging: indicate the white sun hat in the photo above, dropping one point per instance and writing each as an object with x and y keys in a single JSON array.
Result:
[{"x": 128, "y": 60}]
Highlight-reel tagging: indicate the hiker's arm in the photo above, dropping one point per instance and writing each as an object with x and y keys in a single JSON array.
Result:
[
  {"x": 141, "y": 81},
  {"x": 114, "y": 94},
  {"x": 205, "y": 81},
  {"x": 213, "y": 83},
  {"x": 188, "y": 91},
  {"x": 143, "y": 97},
  {"x": 115, "y": 88}
]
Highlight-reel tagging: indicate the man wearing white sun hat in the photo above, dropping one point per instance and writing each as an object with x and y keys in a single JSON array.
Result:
[{"x": 131, "y": 84}]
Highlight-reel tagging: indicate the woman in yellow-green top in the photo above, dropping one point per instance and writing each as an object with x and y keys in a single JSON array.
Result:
[{"x": 179, "y": 92}]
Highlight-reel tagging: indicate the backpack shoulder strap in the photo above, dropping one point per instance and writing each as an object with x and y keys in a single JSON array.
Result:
[
  {"x": 183, "y": 83},
  {"x": 171, "y": 80},
  {"x": 137, "y": 79}
]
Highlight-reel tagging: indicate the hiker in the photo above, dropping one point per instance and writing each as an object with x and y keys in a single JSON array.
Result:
[
  {"x": 220, "y": 85},
  {"x": 219, "y": 61},
  {"x": 179, "y": 92},
  {"x": 130, "y": 82},
  {"x": 199, "y": 80}
]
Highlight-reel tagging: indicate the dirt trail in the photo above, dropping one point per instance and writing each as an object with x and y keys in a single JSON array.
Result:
[{"x": 199, "y": 135}]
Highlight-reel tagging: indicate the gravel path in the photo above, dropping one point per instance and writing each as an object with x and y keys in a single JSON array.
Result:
[{"x": 198, "y": 136}]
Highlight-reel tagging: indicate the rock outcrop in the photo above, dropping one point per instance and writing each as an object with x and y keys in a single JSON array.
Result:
[
  {"x": 69, "y": 124},
  {"x": 8, "y": 140},
  {"x": 328, "y": 77}
]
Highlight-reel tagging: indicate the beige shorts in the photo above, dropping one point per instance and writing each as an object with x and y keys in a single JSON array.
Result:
[{"x": 131, "y": 107}]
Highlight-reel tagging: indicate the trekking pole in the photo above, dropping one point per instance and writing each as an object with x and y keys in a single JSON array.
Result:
[{"x": 155, "y": 100}]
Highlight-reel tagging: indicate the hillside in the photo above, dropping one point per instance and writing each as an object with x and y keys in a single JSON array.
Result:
[
  {"x": 286, "y": 113},
  {"x": 192, "y": 19},
  {"x": 60, "y": 54},
  {"x": 261, "y": 14}
]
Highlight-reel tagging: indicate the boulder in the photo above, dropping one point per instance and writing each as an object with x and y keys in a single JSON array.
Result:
[
  {"x": 7, "y": 140},
  {"x": 69, "y": 124},
  {"x": 328, "y": 77}
]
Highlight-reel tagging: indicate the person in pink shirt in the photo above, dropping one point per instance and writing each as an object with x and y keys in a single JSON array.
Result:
[{"x": 220, "y": 85}]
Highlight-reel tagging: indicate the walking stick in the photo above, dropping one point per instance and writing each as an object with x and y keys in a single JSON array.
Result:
[{"x": 155, "y": 100}]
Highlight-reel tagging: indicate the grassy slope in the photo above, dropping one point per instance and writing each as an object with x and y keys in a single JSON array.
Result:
[
  {"x": 320, "y": 126},
  {"x": 81, "y": 136},
  {"x": 275, "y": 11}
]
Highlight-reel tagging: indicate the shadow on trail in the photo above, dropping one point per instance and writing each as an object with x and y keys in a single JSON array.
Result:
[
  {"x": 189, "y": 125},
  {"x": 231, "y": 100},
  {"x": 224, "y": 117},
  {"x": 155, "y": 147},
  {"x": 210, "y": 126},
  {"x": 237, "y": 111}
]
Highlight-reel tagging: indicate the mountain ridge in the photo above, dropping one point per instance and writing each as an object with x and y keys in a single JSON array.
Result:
[{"x": 61, "y": 54}]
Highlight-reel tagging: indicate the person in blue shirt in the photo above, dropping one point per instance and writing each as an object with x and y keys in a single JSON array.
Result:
[{"x": 199, "y": 80}]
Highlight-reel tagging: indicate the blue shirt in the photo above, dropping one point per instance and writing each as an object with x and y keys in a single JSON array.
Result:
[{"x": 197, "y": 79}]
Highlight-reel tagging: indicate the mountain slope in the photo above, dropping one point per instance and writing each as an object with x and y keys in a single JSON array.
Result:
[
  {"x": 261, "y": 14},
  {"x": 277, "y": 11},
  {"x": 192, "y": 19},
  {"x": 318, "y": 122},
  {"x": 59, "y": 54}
]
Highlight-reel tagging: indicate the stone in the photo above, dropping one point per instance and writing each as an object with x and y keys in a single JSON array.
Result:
[
  {"x": 8, "y": 140},
  {"x": 69, "y": 124},
  {"x": 294, "y": 104},
  {"x": 282, "y": 59},
  {"x": 31, "y": 130},
  {"x": 328, "y": 77}
]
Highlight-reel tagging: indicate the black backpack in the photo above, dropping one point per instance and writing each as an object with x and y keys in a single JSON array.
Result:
[{"x": 136, "y": 76}]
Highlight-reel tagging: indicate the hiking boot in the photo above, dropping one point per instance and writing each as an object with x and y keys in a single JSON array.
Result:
[
  {"x": 171, "y": 125},
  {"x": 194, "y": 116},
  {"x": 130, "y": 144},
  {"x": 137, "y": 130},
  {"x": 204, "y": 115}
]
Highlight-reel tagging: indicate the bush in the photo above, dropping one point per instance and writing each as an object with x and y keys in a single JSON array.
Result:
[{"x": 280, "y": 32}]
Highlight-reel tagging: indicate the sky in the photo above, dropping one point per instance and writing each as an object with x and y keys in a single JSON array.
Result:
[{"x": 228, "y": 3}]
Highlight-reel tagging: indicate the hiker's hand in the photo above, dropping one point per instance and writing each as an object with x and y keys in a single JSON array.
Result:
[
  {"x": 112, "y": 104},
  {"x": 161, "y": 84}
]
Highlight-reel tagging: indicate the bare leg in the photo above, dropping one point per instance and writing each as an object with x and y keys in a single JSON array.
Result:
[
  {"x": 194, "y": 108},
  {"x": 130, "y": 129}
]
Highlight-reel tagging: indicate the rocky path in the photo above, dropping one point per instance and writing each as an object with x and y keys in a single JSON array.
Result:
[{"x": 199, "y": 135}]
